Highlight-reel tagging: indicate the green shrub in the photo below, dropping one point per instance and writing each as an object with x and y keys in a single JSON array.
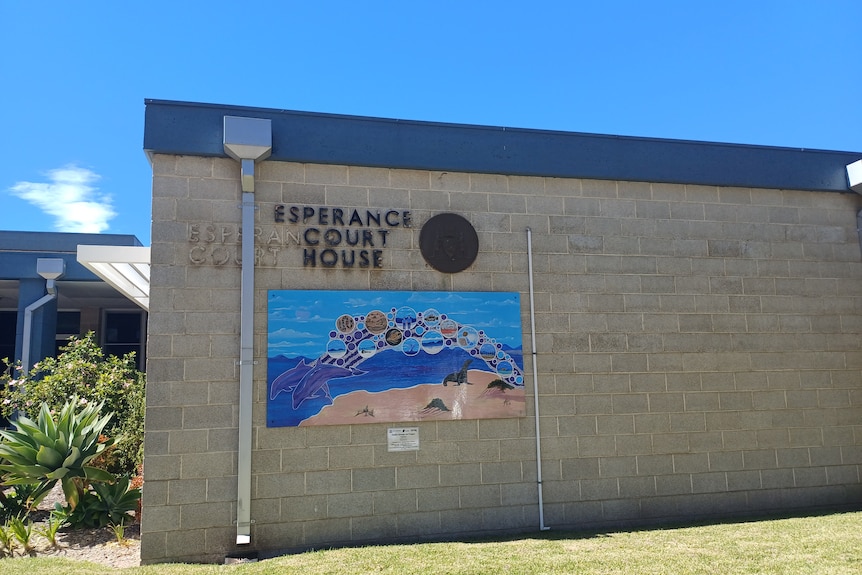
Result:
[
  {"x": 84, "y": 371},
  {"x": 23, "y": 532},
  {"x": 7, "y": 540},
  {"x": 16, "y": 502},
  {"x": 50, "y": 528}
]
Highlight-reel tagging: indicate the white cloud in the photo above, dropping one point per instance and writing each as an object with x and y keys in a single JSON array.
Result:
[
  {"x": 287, "y": 333},
  {"x": 75, "y": 204}
]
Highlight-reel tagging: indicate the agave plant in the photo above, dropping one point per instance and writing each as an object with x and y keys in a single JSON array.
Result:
[
  {"x": 106, "y": 504},
  {"x": 44, "y": 451},
  {"x": 119, "y": 500}
]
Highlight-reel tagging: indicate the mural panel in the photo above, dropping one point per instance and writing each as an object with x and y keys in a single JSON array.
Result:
[{"x": 349, "y": 357}]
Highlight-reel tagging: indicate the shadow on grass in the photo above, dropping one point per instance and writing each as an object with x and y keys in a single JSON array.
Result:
[{"x": 607, "y": 529}]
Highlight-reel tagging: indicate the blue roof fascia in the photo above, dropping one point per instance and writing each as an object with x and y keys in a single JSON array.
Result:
[
  {"x": 184, "y": 128},
  {"x": 22, "y": 265},
  {"x": 20, "y": 250},
  {"x": 60, "y": 241}
]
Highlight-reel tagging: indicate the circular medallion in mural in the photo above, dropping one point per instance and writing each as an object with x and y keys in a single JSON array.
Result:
[{"x": 376, "y": 321}]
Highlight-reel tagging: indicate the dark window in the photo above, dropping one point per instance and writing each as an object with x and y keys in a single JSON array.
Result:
[
  {"x": 8, "y": 323},
  {"x": 123, "y": 333},
  {"x": 68, "y": 325}
]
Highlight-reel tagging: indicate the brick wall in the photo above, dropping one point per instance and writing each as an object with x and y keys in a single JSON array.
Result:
[{"x": 697, "y": 348}]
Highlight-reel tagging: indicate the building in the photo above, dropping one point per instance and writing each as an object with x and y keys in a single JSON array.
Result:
[
  {"x": 685, "y": 342},
  {"x": 48, "y": 294}
]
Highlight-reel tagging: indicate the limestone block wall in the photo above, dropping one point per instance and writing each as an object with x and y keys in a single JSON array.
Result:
[{"x": 698, "y": 351}]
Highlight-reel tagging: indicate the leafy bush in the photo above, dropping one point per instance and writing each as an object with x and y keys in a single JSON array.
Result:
[{"x": 84, "y": 371}]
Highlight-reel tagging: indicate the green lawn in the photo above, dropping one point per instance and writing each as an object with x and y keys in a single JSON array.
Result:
[{"x": 830, "y": 544}]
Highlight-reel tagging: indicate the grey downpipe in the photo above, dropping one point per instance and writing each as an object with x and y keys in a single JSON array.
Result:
[
  {"x": 542, "y": 525},
  {"x": 246, "y": 140},
  {"x": 246, "y": 373}
]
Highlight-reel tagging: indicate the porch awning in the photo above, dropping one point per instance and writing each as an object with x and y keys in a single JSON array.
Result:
[{"x": 125, "y": 268}]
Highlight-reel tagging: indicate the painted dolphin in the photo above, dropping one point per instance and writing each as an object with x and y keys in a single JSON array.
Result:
[
  {"x": 314, "y": 382},
  {"x": 289, "y": 379}
]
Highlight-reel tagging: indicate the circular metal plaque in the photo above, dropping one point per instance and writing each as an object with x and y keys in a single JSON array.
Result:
[{"x": 449, "y": 243}]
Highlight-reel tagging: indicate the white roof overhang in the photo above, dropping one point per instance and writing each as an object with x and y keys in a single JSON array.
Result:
[{"x": 125, "y": 268}]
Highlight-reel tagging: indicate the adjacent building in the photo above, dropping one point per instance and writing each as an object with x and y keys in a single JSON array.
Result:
[{"x": 49, "y": 294}]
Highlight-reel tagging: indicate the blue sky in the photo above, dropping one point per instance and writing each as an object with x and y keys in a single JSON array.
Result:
[
  {"x": 300, "y": 321},
  {"x": 74, "y": 76}
]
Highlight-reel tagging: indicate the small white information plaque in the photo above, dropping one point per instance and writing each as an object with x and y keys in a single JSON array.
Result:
[{"x": 403, "y": 438}]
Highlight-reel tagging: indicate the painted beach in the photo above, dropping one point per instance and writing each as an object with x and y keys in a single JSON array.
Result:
[{"x": 426, "y": 402}]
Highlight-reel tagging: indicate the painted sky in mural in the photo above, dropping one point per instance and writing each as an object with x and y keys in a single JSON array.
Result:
[{"x": 337, "y": 357}]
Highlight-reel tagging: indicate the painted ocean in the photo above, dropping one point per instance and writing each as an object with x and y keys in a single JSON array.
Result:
[{"x": 386, "y": 370}]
